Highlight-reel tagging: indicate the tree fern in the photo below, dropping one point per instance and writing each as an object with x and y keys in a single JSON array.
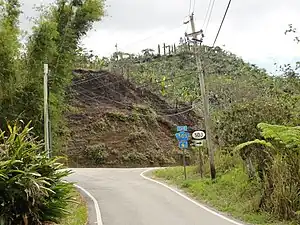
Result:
[{"x": 288, "y": 136}]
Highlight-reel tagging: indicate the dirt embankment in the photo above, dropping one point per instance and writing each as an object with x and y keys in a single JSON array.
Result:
[{"x": 115, "y": 124}]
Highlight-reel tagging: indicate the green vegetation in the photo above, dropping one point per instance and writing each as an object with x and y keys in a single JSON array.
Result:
[
  {"x": 250, "y": 109},
  {"x": 277, "y": 162},
  {"x": 78, "y": 212},
  {"x": 55, "y": 40},
  {"x": 255, "y": 119},
  {"x": 31, "y": 185},
  {"x": 230, "y": 193},
  {"x": 268, "y": 192}
]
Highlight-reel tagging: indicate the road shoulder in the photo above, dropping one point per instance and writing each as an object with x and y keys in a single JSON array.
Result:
[{"x": 148, "y": 175}]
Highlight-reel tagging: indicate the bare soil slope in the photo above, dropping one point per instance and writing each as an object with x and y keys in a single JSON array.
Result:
[{"x": 115, "y": 124}]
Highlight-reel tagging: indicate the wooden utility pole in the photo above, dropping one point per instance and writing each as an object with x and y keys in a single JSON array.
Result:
[
  {"x": 46, "y": 115},
  {"x": 207, "y": 122}
]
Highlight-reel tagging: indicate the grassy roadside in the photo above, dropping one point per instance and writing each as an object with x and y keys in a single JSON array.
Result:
[
  {"x": 231, "y": 193},
  {"x": 78, "y": 211}
]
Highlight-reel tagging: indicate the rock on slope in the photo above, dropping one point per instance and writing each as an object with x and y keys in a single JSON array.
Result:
[{"x": 115, "y": 124}]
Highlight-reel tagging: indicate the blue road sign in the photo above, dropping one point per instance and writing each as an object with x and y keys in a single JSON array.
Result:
[
  {"x": 182, "y": 136},
  {"x": 182, "y": 128},
  {"x": 183, "y": 144}
]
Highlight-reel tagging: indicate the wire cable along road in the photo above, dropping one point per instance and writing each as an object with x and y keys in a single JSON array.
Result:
[{"x": 128, "y": 197}]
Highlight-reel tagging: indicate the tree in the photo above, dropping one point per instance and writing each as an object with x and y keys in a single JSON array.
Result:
[
  {"x": 278, "y": 159},
  {"x": 55, "y": 40},
  {"x": 9, "y": 33}
]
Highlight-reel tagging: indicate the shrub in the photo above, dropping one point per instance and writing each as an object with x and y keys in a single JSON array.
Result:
[
  {"x": 98, "y": 153},
  {"x": 277, "y": 163},
  {"x": 31, "y": 185}
]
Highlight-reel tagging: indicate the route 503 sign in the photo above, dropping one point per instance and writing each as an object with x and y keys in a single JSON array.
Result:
[{"x": 199, "y": 135}]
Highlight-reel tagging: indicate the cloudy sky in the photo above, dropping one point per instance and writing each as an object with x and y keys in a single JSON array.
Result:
[{"x": 253, "y": 29}]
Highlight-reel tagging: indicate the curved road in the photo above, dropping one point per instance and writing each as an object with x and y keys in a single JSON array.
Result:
[{"x": 126, "y": 198}]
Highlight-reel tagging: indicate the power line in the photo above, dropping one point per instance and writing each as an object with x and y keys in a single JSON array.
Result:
[
  {"x": 113, "y": 90},
  {"x": 164, "y": 80},
  {"x": 95, "y": 98},
  {"x": 206, "y": 15},
  {"x": 141, "y": 86},
  {"x": 194, "y": 6},
  {"x": 209, "y": 13},
  {"x": 222, "y": 23},
  {"x": 90, "y": 79},
  {"x": 190, "y": 7},
  {"x": 153, "y": 35},
  {"x": 127, "y": 105}
]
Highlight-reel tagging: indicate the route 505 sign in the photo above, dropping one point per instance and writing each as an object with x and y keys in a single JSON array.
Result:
[{"x": 199, "y": 135}]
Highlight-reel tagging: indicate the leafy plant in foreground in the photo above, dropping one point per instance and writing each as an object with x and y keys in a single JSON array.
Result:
[{"x": 31, "y": 185}]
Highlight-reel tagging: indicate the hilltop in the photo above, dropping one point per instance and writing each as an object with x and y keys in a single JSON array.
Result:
[
  {"x": 124, "y": 117},
  {"x": 116, "y": 124}
]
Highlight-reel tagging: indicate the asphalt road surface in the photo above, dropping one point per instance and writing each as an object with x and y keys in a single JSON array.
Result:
[{"x": 126, "y": 198}]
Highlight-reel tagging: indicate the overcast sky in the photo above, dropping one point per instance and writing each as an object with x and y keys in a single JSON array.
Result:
[{"x": 253, "y": 29}]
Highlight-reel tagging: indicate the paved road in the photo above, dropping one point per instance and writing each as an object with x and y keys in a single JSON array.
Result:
[{"x": 126, "y": 198}]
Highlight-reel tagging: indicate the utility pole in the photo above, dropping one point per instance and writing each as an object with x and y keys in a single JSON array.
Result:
[
  {"x": 207, "y": 122},
  {"x": 46, "y": 115},
  {"x": 49, "y": 118}
]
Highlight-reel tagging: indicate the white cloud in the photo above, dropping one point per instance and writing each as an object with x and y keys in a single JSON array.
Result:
[{"x": 253, "y": 29}]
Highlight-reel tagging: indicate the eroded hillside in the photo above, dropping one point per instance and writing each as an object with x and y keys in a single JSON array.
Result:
[{"x": 114, "y": 123}]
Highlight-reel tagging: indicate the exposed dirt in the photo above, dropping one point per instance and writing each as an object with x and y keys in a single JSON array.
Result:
[{"x": 115, "y": 124}]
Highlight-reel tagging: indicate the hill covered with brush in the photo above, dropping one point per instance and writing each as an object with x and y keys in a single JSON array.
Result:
[
  {"x": 115, "y": 123},
  {"x": 132, "y": 100}
]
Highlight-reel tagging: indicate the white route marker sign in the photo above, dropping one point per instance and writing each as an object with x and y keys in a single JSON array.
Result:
[{"x": 198, "y": 135}]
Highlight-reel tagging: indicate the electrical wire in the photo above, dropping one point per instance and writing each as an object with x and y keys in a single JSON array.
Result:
[
  {"x": 112, "y": 90},
  {"x": 95, "y": 98},
  {"x": 104, "y": 73},
  {"x": 194, "y": 6},
  {"x": 88, "y": 80},
  {"x": 139, "y": 87},
  {"x": 221, "y": 23},
  {"x": 212, "y": 2},
  {"x": 142, "y": 86},
  {"x": 151, "y": 36},
  {"x": 206, "y": 15},
  {"x": 190, "y": 7},
  {"x": 185, "y": 109}
]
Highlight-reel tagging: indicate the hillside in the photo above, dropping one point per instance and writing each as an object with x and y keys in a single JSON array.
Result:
[{"x": 114, "y": 123}]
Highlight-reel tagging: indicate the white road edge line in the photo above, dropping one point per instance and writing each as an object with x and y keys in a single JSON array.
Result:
[
  {"x": 96, "y": 205},
  {"x": 187, "y": 198}
]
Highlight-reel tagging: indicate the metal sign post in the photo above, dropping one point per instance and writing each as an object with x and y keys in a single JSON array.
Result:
[
  {"x": 183, "y": 136},
  {"x": 198, "y": 138},
  {"x": 184, "y": 163}
]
